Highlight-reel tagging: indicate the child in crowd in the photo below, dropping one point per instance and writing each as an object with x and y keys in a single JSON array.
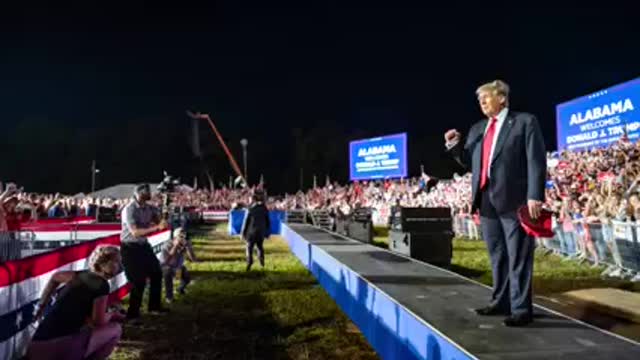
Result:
[{"x": 173, "y": 260}]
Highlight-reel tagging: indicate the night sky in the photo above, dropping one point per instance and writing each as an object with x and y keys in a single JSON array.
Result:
[{"x": 298, "y": 81}]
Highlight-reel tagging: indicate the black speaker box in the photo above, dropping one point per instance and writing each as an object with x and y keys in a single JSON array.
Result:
[
  {"x": 421, "y": 219},
  {"x": 431, "y": 247},
  {"x": 342, "y": 225},
  {"x": 361, "y": 231}
]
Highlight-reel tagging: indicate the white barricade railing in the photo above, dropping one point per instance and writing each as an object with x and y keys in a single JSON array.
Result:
[
  {"x": 43, "y": 238},
  {"x": 297, "y": 216},
  {"x": 616, "y": 244},
  {"x": 215, "y": 215},
  {"x": 10, "y": 246},
  {"x": 464, "y": 225},
  {"x": 380, "y": 216}
]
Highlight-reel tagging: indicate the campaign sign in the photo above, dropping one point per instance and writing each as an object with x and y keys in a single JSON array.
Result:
[
  {"x": 601, "y": 118},
  {"x": 378, "y": 158}
]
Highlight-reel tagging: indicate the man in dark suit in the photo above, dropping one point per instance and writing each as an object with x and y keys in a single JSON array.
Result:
[
  {"x": 256, "y": 228},
  {"x": 506, "y": 152}
]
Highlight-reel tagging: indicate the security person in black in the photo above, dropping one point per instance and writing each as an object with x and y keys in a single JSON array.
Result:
[
  {"x": 256, "y": 228},
  {"x": 139, "y": 220}
]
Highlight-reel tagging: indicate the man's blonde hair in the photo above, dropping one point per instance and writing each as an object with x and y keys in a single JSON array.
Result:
[
  {"x": 102, "y": 255},
  {"x": 497, "y": 87}
]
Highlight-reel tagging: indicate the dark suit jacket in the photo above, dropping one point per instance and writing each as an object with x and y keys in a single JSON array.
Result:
[
  {"x": 518, "y": 167},
  {"x": 257, "y": 222}
]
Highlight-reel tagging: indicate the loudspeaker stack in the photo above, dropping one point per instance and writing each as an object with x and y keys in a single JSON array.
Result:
[{"x": 424, "y": 234}]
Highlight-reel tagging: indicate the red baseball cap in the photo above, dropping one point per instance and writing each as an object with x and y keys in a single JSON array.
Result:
[{"x": 541, "y": 227}]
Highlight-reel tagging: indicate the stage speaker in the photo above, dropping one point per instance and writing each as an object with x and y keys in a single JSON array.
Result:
[
  {"x": 361, "y": 231},
  {"x": 421, "y": 219},
  {"x": 360, "y": 225},
  {"x": 433, "y": 248},
  {"x": 342, "y": 225},
  {"x": 424, "y": 234}
]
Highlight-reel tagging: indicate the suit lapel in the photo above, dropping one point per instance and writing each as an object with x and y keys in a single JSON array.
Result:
[{"x": 502, "y": 136}]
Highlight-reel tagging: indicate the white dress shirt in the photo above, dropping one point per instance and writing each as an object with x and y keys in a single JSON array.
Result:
[{"x": 500, "y": 119}]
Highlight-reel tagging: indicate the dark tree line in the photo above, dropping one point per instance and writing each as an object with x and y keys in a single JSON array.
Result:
[{"x": 46, "y": 155}]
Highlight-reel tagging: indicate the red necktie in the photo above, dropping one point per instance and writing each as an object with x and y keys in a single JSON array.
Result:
[{"x": 486, "y": 152}]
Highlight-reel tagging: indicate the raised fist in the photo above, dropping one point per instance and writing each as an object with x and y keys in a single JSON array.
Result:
[{"x": 452, "y": 136}]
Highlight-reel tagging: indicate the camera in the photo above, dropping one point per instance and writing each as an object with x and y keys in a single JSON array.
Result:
[{"x": 168, "y": 184}]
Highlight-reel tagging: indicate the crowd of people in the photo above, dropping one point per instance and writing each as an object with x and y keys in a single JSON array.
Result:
[
  {"x": 592, "y": 185},
  {"x": 601, "y": 183},
  {"x": 584, "y": 188}
]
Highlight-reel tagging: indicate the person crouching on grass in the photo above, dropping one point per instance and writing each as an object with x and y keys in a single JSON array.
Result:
[
  {"x": 78, "y": 325},
  {"x": 173, "y": 255}
]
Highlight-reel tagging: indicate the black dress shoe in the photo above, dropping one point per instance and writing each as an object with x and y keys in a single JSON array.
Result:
[
  {"x": 492, "y": 311},
  {"x": 518, "y": 320}
]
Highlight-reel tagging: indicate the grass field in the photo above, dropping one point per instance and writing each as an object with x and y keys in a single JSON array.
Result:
[
  {"x": 276, "y": 313},
  {"x": 552, "y": 277},
  {"x": 551, "y": 274},
  {"x": 281, "y": 313}
]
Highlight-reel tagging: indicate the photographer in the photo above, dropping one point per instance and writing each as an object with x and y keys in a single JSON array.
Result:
[
  {"x": 78, "y": 325},
  {"x": 139, "y": 220},
  {"x": 173, "y": 260}
]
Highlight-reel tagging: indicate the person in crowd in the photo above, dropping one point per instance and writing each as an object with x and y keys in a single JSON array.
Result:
[
  {"x": 256, "y": 228},
  {"x": 578, "y": 220},
  {"x": 10, "y": 248},
  {"x": 28, "y": 208},
  {"x": 590, "y": 220},
  {"x": 78, "y": 325},
  {"x": 41, "y": 208},
  {"x": 567, "y": 236},
  {"x": 395, "y": 210},
  {"x": 58, "y": 210},
  {"x": 139, "y": 220}
]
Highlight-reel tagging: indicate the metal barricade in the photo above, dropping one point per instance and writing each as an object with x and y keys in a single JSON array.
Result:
[
  {"x": 27, "y": 240},
  {"x": 458, "y": 222},
  {"x": 474, "y": 229},
  {"x": 296, "y": 217},
  {"x": 16, "y": 245},
  {"x": 563, "y": 242},
  {"x": 616, "y": 244},
  {"x": 625, "y": 239},
  {"x": 603, "y": 247},
  {"x": 10, "y": 246},
  {"x": 463, "y": 225},
  {"x": 24, "y": 243}
]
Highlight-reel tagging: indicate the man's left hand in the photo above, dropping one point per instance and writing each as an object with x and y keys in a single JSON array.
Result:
[{"x": 535, "y": 208}]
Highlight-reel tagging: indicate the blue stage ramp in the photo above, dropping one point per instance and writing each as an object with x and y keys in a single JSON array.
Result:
[{"x": 410, "y": 310}]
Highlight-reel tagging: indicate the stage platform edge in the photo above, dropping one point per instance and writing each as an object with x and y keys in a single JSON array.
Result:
[
  {"x": 397, "y": 332},
  {"x": 391, "y": 329}
]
